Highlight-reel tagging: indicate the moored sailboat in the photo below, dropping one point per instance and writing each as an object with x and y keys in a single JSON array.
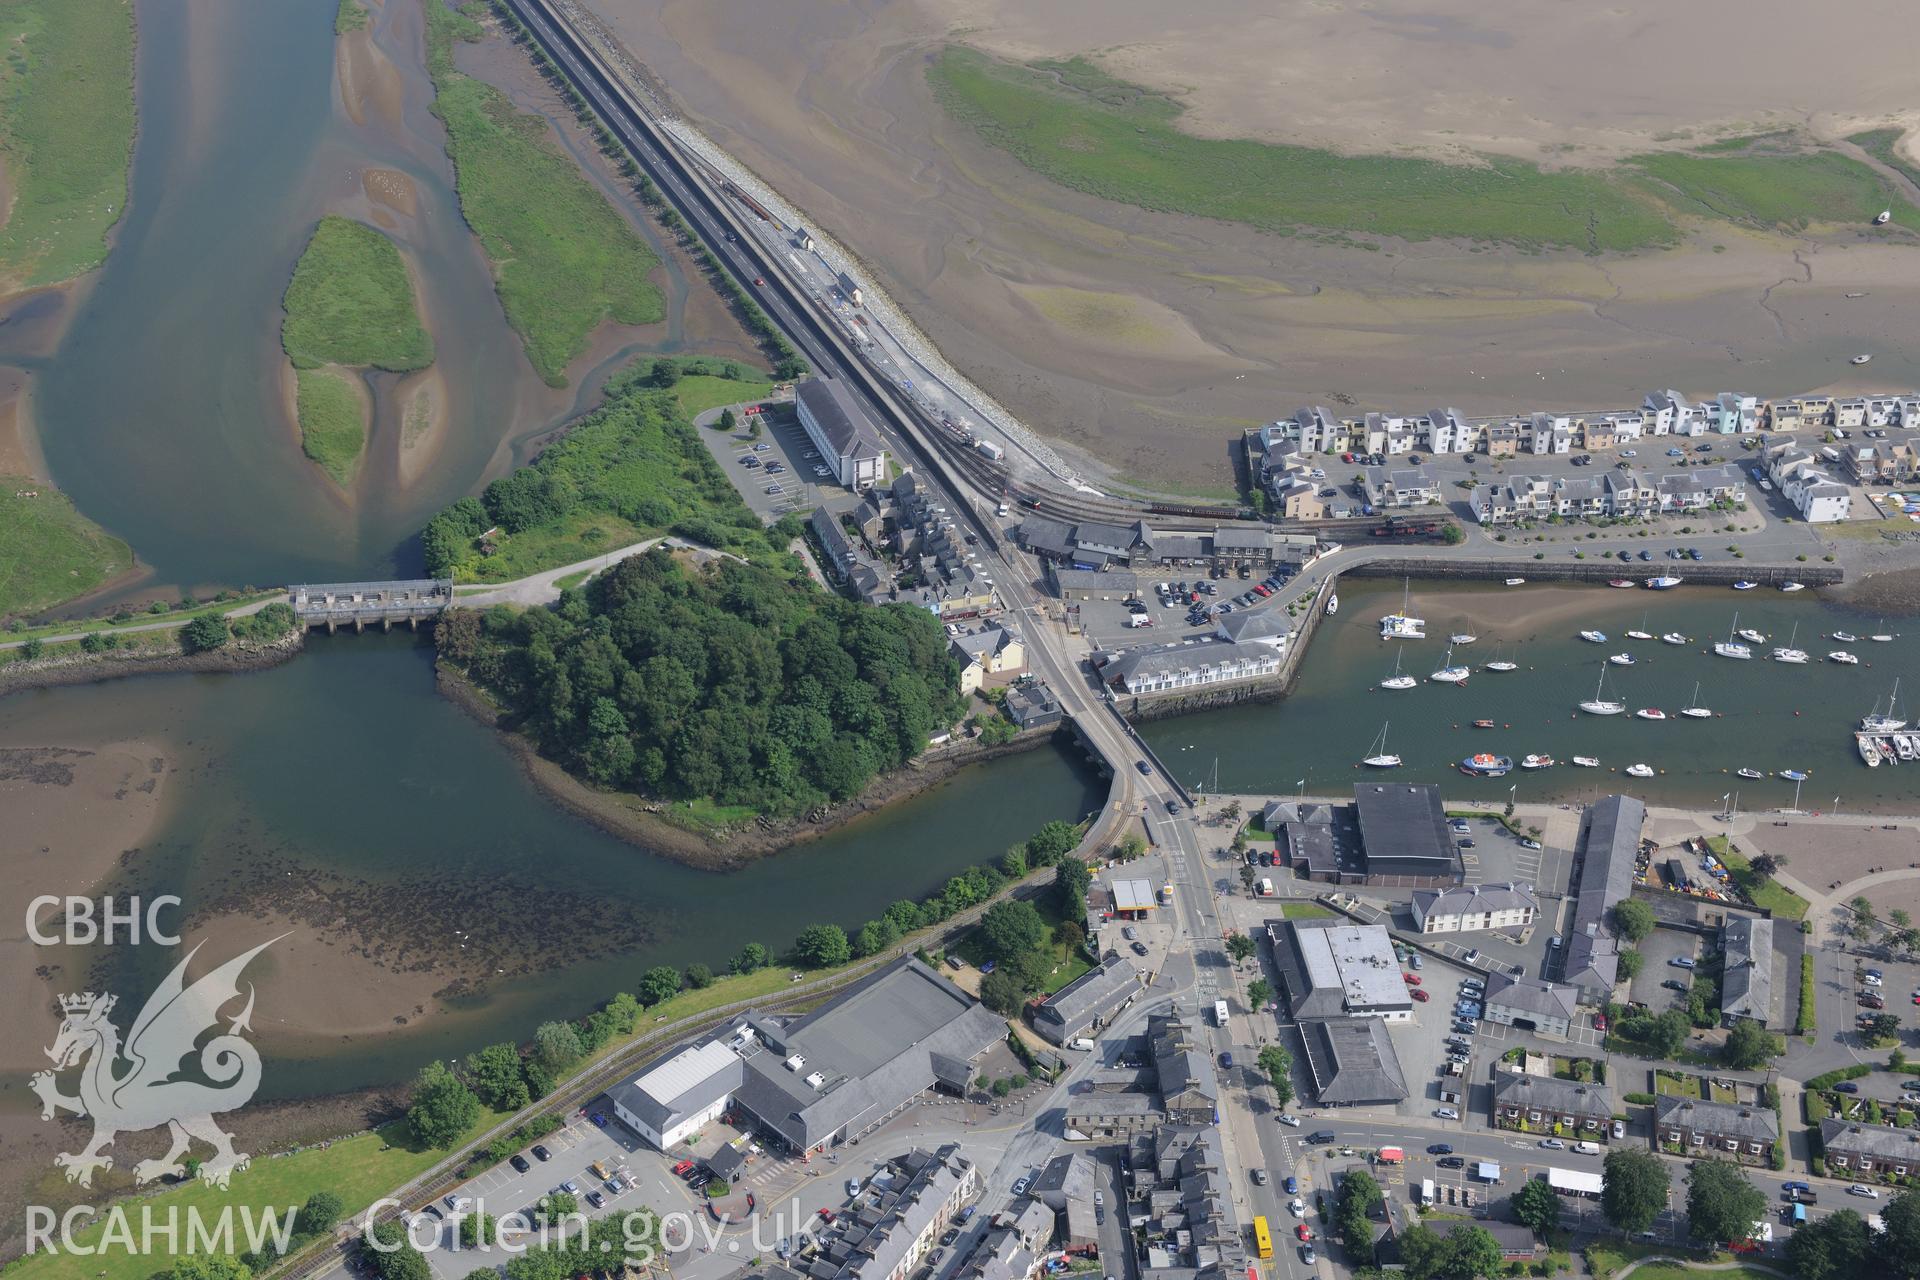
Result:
[
  {"x": 1598, "y": 706},
  {"x": 1379, "y": 757}
]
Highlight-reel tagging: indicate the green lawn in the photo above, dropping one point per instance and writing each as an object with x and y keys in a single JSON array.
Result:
[
  {"x": 350, "y": 303},
  {"x": 1785, "y": 190},
  {"x": 1763, "y": 893},
  {"x": 333, "y": 424},
  {"x": 357, "y": 1169},
  {"x": 1305, "y": 911},
  {"x": 66, "y": 133},
  {"x": 49, "y": 552},
  {"x": 1081, "y": 128},
  {"x": 564, "y": 260},
  {"x": 698, "y": 393}
]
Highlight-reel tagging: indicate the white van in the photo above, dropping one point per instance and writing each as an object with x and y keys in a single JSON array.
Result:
[
  {"x": 1586, "y": 1148},
  {"x": 1081, "y": 1043},
  {"x": 1426, "y": 1191}
]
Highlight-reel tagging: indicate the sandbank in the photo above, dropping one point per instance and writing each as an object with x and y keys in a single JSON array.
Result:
[{"x": 371, "y": 87}]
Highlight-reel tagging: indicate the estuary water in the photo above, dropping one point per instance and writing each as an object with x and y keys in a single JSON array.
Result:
[{"x": 1769, "y": 716}]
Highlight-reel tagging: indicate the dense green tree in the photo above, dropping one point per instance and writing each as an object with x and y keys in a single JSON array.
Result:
[
  {"x": 1002, "y": 992},
  {"x": 1722, "y": 1205},
  {"x": 1359, "y": 1193},
  {"x": 699, "y": 976},
  {"x": 822, "y": 946},
  {"x": 495, "y": 1076},
  {"x": 1632, "y": 919},
  {"x": 477, "y": 1229},
  {"x": 1630, "y": 964},
  {"x": 443, "y": 1108},
  {"x": 207, "y": 1266},
  {"x": 208, "y": 631},
  {"x": 555, "y": 1206},
  {"x": 658, "y": 985},
  {"x": 1011, "y": 927},
  {"x": 1897, "y": 1250},
  {"x": 874, "y": 937},
  {"x": 1750, "y": 1045},
  {"x": 1467, "y": 1254},
  {"x": 1633, "y": 1189},
  {"x": 753, "y": 957},
  {"x": 1829, "y": 1248},
  {"x": 1663, "y": 1035},
  {"x": 319, "y": 1214},
  {"x": 556, "y": 1045},
  {"x": 1071, "y": 880},
  {"x": 1259, "y": 991},
  {"x": 1277, "y": 1065},
  {"x": 624, "y": 1012},
  {"x": 1537, "y": 1207},
  {"x": 1240, "y": 946},
  {"x": 1051, "y": 843}
]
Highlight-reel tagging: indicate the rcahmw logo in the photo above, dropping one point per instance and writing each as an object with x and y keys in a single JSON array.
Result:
[{"x": 149, "y": 1082}]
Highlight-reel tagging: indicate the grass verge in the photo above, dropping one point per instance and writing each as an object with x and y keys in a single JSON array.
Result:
[
  {"x": 698, "y": 393},
  {"x": 1305, "y": 911},
  {"x": 333, "y": 421},
  {"x": 352, "y": 16},
  {"x": 66, "y": 131},
  {"x": 1786, "y": 190},
  {"x": 350, "y": 303},
  {"x": 1762, "y": 892},
  {"x": 564, "y": 260},
  {"x": 49, "y": 552},
  {"x": 358, "y": 1169},
  {"x": 1806, "y": 1020},
  {"x": 1083, "y": 129}
]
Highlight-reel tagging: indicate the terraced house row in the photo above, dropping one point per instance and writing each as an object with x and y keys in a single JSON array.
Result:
[{"x": 1620, "y": 494}]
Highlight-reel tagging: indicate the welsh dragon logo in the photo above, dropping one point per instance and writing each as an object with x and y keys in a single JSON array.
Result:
[{"x": 149, "y": 1091}]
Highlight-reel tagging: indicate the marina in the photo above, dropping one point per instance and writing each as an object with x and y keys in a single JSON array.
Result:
[{"x": 1734, "y": 717}]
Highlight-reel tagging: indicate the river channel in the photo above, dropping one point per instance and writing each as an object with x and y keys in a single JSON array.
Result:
[{"x": 1769, "y": 716}]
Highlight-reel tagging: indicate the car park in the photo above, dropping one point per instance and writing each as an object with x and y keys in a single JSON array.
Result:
[
  {"x": 762, "y": 447},
  {"x": 1414, "y": 960},
  {"x": 1459, "y": 825},
  {"x": 1139, "y": 948},
  {"x": 1873, "y": 979}
]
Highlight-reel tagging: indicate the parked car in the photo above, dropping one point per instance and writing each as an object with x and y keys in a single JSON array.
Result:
[
  {"x": 1866, "y": 1192},
  {"x": 1460, "y": 825},
  {"x": 1528, "y": 842},
  {"x": 1674, "y": 984},
  {"x": 1138, "y": 948},
  {"x": 519, "y": 1163},
  {"x": 1419, "y": 995},
  {"x": 1682, "y": 962},
  {"x": 1846, "y": 1086},
  {"x": 1020, "y": 1187},
  {"x": 1453, "y": 1162},
  {"x": 1445, "y": 1113},
  {"x": 1465, "y": 842},
  {"x": 1292, "y": 1185},
  {"x": 1412, "y": 979},
  {"x": 1552, "y": 1144}
]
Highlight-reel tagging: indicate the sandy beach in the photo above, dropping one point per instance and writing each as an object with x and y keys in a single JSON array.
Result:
[
  {"x": 420, "y": 401},
  {"x": 1144, "y": 342},
  {"x": 19, "y": 445}
]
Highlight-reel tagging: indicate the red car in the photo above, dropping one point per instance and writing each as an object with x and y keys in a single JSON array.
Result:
[
  {"x": 1302, "y": 1231},
  {"x": 762, "y": 283},
  {"x": 1419, "y": 995},
  {"x": 1346, "y": 457},
  {"x": 1263, "y": 590},
  {"x": 1600, "y": 1020},
  {"x": 682, "y": 1169},
  {"x": 1413, "y": 979},
  {"x": 752, "y": 409}
]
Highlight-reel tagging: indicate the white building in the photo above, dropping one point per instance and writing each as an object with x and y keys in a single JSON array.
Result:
[
  {"x": 1471, "y": 908},
  {"x": 1186, "y": 666},
  {"x": 848, "y": 443},
  {"x": 681, "y": 1094}
]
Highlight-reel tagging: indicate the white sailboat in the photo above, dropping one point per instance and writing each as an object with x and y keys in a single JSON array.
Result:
[
  {"x": 1693, "y": 707},
  {"x": 1501, "y": 664},
  {"x": 1403, "y": 625},
  {"x": 1397, "y": 680},
  {"x": 1380, "y": 758},
  {"x": 1876, "y": 722},
  {"x": 1450, "y": 674},
  {"x": 1587, "y": 762},
  {"x": 1642, "y": 633},
  {"x": 1674, "y": 637},
  {"x": 1730, "y": 648},
  {"x": 1621, "y": 659},
  {"x": 1462, "y": 637},
  {"x": 1786, "y": 652},
  {"x": 1598, "y": 706}
]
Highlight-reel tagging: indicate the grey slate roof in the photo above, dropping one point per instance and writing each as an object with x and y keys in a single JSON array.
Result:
[
  {"x": 1094, "y": 994},
  {"x": 1532, "y": 996},
  {"x": 1748, "y": 1123},
  {"x": 844, "y": 423},
  {"x": 1260, "y": 625},
  {"x": 1474, "y": 900},
  {"x": 1546, "y": 1093},
  {"x": 1874, "y": 1140},
  {"x": 1746, "y": 986},
  {"x": 1606, "y": 877},
  {"x": 1352, "y": 1061},
  {"x": 874, "y": 1044},
  {"x": 695, "y": 1089}
]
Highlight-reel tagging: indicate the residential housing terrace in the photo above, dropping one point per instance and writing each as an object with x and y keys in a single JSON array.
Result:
[{"x": 1692, "y": 1126}]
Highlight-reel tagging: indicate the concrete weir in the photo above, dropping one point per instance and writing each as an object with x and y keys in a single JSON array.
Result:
[{"x": 356, "y": 604}]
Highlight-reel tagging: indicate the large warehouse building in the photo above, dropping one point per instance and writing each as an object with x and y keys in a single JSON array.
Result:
[
  {"x": 1334, "y": 968},
  {"x": 817, "y": 1080},
  {"x": 1403, "y": 835},
  {"x": 848, "y": 442}
]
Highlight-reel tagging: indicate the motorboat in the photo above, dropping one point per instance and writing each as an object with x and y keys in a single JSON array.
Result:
[
  {"x": 1882, "y": 218},
  {"x": 1651, "y": 713},
  {"x": 1906, "y": 745},
  {"x": 1537, "y": 762},
  {"x": 1398, "y": 680},
  {"x": 1618, "y": 582},
  {"x": 1379, "y": 758},
  {"x": 1844, "y": 637},
  {"x": 1587, "y": 762},
  {"x": 1594, "y": 637},
  {"x": 1483, "y": 724},
  {"x": 1449, "y": 673},
  {"x": 1693, "y": 709},
  {"x": 1744, "y": 585},
  {"x": 1621, "y": 659},
  {"x": 1665, "y": 582},
  {"x": 1877, "y": 722},
  {"x": 1869, "y": 749},
  {"x": 1487, "y": 765},
  {"x": 1728, "y": 648},
  {"x": 1861, "y": 359},
  {"x": 1333, "y": 604},
  {"x": 1844, "y": 658},
  {"x": 1461, "y": 637},
  {"x": 1751, "y": 636},
  {"x": 1516, "y": 582},
  {"x": 1403, "y": 625},
  {"x": 1793, "y": 586},
  {"x": 1749, "y": 774},
  {"x": 1674, "y": 637},
  {"x": 1639, "y": 771},
  {"x": 1598, "y": 706},
  {"x": 1882, "y": 638},
  {"x": 1793, "y": 775}
]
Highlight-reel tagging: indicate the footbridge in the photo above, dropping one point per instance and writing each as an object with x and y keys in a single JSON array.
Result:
[{"x": 360, "y": 604}]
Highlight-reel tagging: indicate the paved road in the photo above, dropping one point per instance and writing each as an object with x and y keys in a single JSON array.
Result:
[{"x": 544, "y": 587}]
